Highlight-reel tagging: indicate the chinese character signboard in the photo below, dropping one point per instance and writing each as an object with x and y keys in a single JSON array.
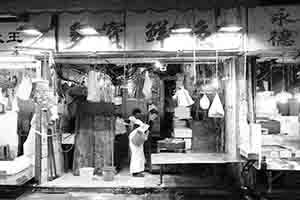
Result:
[
  {"x": 110, "y": 28},
  {"x": 153, "y": 31},
  {"x": 147, "y": 31},
  {"x": 9, "y": 36},
  {"x": 274, "y": 28}
]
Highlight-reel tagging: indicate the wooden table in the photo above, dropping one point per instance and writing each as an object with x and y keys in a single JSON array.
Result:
[{"x": 190, "y": 158}]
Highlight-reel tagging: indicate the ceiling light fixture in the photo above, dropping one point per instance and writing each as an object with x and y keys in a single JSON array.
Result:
[
  {"x": 87, "y": 30},
  {"x": 29, "y": 30},
  {"x": 230, "y": 28},
  {"x": 5, "y": 16},
  {"x": 180, "y": 28},
  {"x": 228, "y": 21}
]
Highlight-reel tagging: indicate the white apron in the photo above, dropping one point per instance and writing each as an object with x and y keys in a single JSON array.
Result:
[{"x": 137, "y": 160}]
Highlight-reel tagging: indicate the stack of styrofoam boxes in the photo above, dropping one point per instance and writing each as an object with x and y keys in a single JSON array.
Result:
[{"x": 181, "y": 131}]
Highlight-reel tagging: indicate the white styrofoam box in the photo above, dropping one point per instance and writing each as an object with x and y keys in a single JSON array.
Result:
[
  {"x": 179, "y": 123},
  {"x": 289, "y": 125},
  {"x": 15, "y": 166},
  {"x": 265, "y": 104},
  {"x": 8, "y": 130},
  {"x": 183, "y": 132},
  {"x": 18, "y": 178},
  {"x": 188, "y": 143},
  {"x": 182, "y": 112}
]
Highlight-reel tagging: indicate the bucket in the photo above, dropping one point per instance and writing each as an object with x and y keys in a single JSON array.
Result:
[
  {"x": 87, "y": 172},
  {"x": 108, "y": 173}
]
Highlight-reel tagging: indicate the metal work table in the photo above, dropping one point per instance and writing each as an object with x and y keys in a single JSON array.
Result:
[
  {"x": 280, "y": 165},
  {"x": 190, "y": 158}
]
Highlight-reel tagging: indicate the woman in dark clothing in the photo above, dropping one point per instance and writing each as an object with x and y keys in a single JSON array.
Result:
[
  {"x": 25, "y": 114},
  {"x": 120, "y": 143}
]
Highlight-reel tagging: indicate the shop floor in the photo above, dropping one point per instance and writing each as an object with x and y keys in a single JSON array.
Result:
[
  {"x": 124, "y": 180},
  {"x": 109, "y": 196}
]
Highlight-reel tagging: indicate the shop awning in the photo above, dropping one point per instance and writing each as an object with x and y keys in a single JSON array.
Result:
[{"x": 141, "y": 57}]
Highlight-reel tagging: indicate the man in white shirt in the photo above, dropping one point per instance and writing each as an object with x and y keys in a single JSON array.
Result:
[{"x": 137, "y": 159}]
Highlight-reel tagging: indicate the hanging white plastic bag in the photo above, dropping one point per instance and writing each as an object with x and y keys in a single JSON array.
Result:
[
  {"x": 204, "y": 102},
  {"x": 147, "y": 86},
  {"x": 183, "y": 98},
  {"x": 24, "y": 89},
  {"x": 216, "y": 109},
  {"x": 92, "y": 87}
]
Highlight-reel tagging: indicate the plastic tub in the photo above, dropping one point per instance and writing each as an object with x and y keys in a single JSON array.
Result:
[
  {"x": 108, "y": 173},
  {"x": 86, "y": 172}
]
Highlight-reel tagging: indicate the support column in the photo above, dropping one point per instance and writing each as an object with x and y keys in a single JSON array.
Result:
[{"x": 230, "y": 109}]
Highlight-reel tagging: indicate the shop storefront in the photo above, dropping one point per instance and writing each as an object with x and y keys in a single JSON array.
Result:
[
  {"x": 190, "y": 81},
  {"x": 275, "y": 127}
]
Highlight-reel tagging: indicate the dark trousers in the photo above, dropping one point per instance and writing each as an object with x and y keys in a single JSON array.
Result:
[
  {"x": 22, "y": 137},
  {"x": 168, "y": 125},
  {"x": 148, "y": 151},
  {"x": 120, "y": 150}
]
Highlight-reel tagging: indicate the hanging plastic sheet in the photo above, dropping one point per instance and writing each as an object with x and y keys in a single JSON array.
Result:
[
  {"x": 204, "y": 102},
  {"x": 93, "y": 93},
  {"x": 183, "y": 97},
  {"x": 24, "y": 89},
  {"x": 216, "y": 109},
  {"x": 147, "y": 89}
]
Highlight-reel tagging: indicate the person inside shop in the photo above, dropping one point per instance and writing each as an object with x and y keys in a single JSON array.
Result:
[
  {"x": 120, "y": 143},
  {"x": 170, "y": 105},
  {"x": 153, "y": 130},
  {"x": 26, "y": 110},
  {"x": 137, "y": 137}
]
